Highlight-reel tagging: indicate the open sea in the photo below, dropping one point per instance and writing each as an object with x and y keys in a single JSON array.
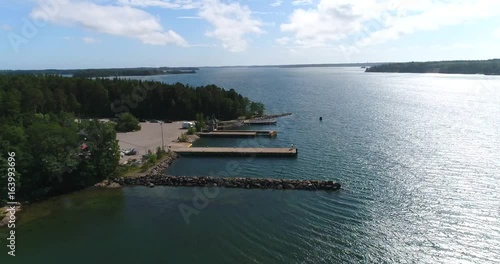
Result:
[{"x": 418, "y": 157}]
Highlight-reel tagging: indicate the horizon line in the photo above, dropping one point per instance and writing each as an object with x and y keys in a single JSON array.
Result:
[{"x": 243, "y": 66}]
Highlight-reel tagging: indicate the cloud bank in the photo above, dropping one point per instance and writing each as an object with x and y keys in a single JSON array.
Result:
[
  {"x": 373, "y": 22},
  {"x": 124, "y": 21},
  {"x": 231, "y": 22}
]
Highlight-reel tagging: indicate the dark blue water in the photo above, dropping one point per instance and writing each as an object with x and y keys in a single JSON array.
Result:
[{"x": 418, "y": 156}]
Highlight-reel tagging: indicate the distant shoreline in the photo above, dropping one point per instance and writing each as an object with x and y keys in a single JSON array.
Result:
[
  {"x": 320, "y": 65},
  {"x": 485, "y": 67},
  {"x": 105, "y": 73}
]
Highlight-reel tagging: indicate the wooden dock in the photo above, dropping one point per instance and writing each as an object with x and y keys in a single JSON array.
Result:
[
  {"x": 259, "y": 152},
  {"x": 228, "y": 134}
]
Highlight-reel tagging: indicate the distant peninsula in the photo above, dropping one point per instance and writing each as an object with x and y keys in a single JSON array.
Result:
[
  {"x": 112, "y": 72},
  {"x": 486, "y": 67}
]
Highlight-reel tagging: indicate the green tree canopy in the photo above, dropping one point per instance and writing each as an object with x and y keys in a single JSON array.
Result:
[{"x": 127, "y": 122}]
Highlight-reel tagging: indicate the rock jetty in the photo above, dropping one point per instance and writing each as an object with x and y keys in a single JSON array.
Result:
[
  {"x": 155, "y": 171},
  {"x": 272, "y": 116},
  {"x": 244, "y": 183},
  {"x": 160, "y": 168},
  {"x": 107, "y": 184}
]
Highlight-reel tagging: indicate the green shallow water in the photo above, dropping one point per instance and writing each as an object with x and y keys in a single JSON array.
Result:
[{"x": 418, "y": 157}]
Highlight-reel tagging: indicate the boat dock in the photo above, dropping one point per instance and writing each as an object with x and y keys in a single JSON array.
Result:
[
  {"x": 239, "y": 133},
  {"x": 228, "y": 134},
  {"x": 258, "y": 152},
  {"x": 259, "y": 132}
]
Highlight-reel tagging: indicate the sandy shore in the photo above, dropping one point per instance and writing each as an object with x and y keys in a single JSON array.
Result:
[{"x": 149, "y": 138}]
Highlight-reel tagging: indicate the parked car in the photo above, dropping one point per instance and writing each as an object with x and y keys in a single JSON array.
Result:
[
  {"x": 169, "y": 121},
  {"x": 130, "y": 152}
]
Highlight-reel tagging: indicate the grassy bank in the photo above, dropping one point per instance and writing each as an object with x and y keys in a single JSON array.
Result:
[{"x": 152, "y": 160}]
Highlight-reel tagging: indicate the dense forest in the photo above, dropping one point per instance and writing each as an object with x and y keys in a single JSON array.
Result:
[
  {"x": 43, "y": 120},
  {"x": 144, "y": 71},
  {"x": 487, "y": 67},
  {"x": 106, "y": 98}
]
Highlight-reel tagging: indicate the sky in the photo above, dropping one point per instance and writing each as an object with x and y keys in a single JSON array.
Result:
[{"x": 68, "y": 34}]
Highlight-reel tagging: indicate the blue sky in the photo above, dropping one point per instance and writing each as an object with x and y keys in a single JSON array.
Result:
[{"x": 44, "y": 34}]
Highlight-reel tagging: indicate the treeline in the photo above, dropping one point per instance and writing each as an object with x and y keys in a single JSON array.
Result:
[
  {"x": 487, "y": 67},
  {"x": 56, "y": 153},
  {"x": 130, "y": 72},
  {"x": 106, "y": 98},
  {"x": 144, "y": 71}
]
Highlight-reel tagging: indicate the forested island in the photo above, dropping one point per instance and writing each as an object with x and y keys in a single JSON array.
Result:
[
  {"x": 114, "y": 72},
  {"x": 487, "y": 67},
  {"x": 43, "y": 121}
]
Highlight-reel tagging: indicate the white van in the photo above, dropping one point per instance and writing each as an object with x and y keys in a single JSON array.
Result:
[{"x": 187, "y": 125}]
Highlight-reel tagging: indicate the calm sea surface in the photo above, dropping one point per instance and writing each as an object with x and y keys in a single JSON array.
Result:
[{"x": 418, "y": 156}]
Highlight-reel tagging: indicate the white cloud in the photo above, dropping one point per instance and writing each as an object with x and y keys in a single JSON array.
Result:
[
  {"x": 434, "y": 17},
  {"x": 276, "y": 3},
  {"x": 201, "y": 45},
  {"x": 302, "y": 2},
  {"x": 6, "y": 27},
  {"x": 189, "y": 17},
  {"x": 267, "y": 13},
  {"x": 372, "y": 21},
  {"x": 232, "y": 22},
  {"x": 89, "y": 40},
  {"x": 283, "y": 41},
  {"x": 329, "y": 21},
  {"x": 175, "y": 4},
  {"x": 496, "y": 33},
  {"x": 109, "y": 19}
]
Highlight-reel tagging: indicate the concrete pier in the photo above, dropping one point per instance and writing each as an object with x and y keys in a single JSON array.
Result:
[
  {"x": 239, "y": 133},
  {"x": 259, "y": 132},
  {"x": 259, "y": 152},
  {"x": 228, "y": 134}
]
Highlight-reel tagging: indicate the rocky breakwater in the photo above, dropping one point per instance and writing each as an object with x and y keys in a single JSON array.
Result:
[
  {"x": 160, "y": 168},
  {"x": 155, "y": 171},
  {"x": 244, "y": 183},
  {"x": 272, "y": 116}
]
